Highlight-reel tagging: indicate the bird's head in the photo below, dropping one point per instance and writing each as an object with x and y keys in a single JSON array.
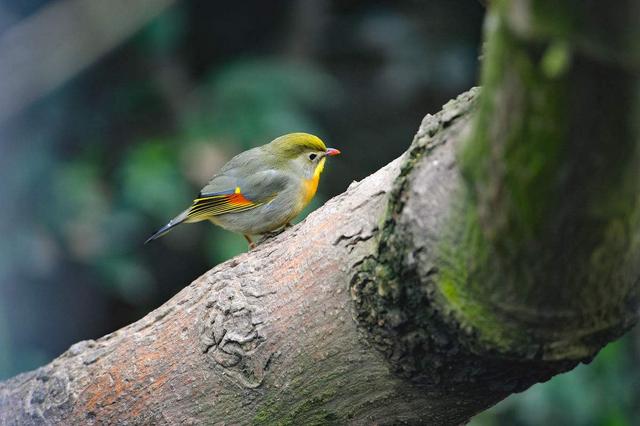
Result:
[{"x": 302, "y": 151}]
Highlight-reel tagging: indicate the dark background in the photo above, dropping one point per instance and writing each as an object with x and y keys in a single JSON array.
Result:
[{"x": 95, "y": 166}]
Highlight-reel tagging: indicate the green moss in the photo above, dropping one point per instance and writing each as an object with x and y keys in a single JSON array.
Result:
[
  {"x": 306, "y": 400},
  {"x": 518, "y": 140},
  {"x": 461, "y": 282},
  {"x": 268, "y": 413},
  {"x": 555, "y": 61},
  {"x": 521, "y": 274},
  {"x": 518, "y": 243},
  {"x": 310, "y": 410}
]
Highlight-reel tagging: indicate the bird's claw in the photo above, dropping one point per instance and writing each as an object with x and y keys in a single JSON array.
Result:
[{"x": 268, "y": 235}]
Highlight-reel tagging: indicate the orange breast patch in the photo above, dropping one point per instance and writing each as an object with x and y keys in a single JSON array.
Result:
[{"x": 309, "y": 188}]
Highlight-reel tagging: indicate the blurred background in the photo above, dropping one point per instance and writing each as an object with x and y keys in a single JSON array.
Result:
[{"x": 114, "y": 113}]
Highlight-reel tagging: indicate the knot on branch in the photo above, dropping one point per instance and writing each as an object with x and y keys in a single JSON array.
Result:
[{"x": 230, "y": 333}]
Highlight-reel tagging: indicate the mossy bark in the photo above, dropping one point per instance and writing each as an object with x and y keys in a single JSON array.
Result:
[
  {"x": 524, "y": 257},
  {"x": 552, "y": 172}
]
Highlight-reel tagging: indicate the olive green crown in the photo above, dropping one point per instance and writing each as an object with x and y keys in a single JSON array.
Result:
[{"x": 293, "y": 144}]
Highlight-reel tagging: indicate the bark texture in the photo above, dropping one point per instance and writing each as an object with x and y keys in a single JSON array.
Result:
[{"x": 501, "y": 249}]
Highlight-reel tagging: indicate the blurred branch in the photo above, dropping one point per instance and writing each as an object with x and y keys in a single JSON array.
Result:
[
  {"x": 308, "y": 21},
  {"x": 60, "y": 40}
]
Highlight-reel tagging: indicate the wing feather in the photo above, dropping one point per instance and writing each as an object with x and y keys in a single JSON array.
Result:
[
  {"x": 217, "y": 204},
  {"x": 232, "y": 194}
]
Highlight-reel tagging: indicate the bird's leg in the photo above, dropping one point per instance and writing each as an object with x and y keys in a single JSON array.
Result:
[
  {"x": 252, "y": 245},
  {"x": 287, "y": 225}
]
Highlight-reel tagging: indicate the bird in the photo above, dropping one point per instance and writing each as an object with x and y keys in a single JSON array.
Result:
[{"x": 260, "y": 190}]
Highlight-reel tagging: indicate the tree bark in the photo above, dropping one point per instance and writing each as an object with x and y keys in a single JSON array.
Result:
[{"x": 501, "y": 249}]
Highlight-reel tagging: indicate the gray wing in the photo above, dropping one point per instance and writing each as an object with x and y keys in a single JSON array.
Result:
[{"x": 257, "y": 187}]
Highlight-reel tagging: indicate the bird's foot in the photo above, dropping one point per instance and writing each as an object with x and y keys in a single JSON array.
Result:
[
  {"x": 268, "y": 235},
  {"x": 252, "y": 245}
]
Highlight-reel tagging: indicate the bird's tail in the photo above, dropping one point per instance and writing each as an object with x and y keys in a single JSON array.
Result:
[{"x": 169, "y": 226}]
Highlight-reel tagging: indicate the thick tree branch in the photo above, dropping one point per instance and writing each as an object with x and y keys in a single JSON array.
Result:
[
  {"x": 553, "y": 169},
  {"x": 528, "y": 263}
]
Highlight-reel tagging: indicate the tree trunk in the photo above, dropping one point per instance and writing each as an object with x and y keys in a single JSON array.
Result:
[{"x": 501, "y": 249}]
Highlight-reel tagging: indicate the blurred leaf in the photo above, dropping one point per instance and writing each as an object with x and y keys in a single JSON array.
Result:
[
  {"x": 122, "y": 227},
  {"x": 251, "y": 102},
  {"x": 128, "y": 279},
  {"x": 164, "y": 33},
  {"x": 79, "y": 207},
  {"x": 151, "y": 181},
  {"x": 200, "y": 160},
  {"x": 590, "y": 395},
  {"x": 616, "y": 418},
  {"x": 77, "y": 192}
]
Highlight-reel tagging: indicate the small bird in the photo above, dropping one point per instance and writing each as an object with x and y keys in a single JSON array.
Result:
[{"x": 260, "y": 190}]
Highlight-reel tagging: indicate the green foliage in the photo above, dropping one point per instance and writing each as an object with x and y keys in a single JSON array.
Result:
[
  {"x": 222, "y": 245},
  {"x": 129, "y": 279},
  {"x": 163, "y": 35},
  {"x": 151, "y": 180},
  {"x": 250, "y": 102},
  {"x": 604, "y": 393},
  {"x": 555, "y": 61}
]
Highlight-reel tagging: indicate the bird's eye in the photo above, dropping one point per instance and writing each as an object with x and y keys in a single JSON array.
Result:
[{"x": 312, "y": 156}]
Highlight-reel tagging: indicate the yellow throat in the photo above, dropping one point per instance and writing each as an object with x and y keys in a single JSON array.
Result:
[{"x": 310, "y": 186}]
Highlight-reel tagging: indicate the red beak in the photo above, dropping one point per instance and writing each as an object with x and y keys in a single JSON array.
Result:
[{"x": 332, "y": 151}]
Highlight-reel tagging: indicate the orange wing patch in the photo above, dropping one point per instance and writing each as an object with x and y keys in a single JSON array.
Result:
[
  {"x": 214, "y": 205},
  {"x": 238, "y": 199}
]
